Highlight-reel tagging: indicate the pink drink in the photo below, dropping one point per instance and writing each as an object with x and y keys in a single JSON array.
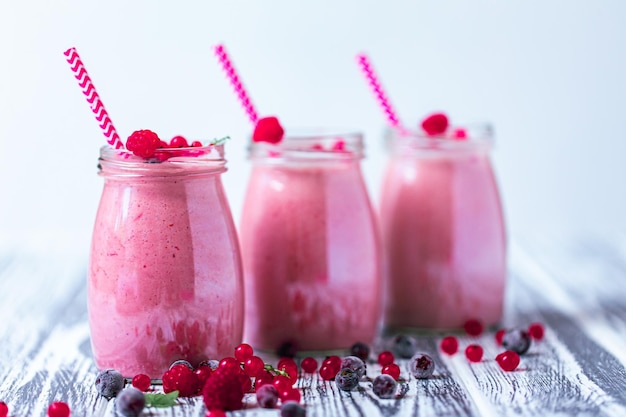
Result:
[
  {"x": 310, "y": 246},
  {"x": 165, "y": 279},
  {"x": 443, "y": 232}
]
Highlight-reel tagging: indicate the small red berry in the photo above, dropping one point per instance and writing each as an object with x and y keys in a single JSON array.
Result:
[
  {"x": 262, "y": 379},
  {"x": 536, "y": 331},
  {"x": 309, "y": 365},
  {"x": 253, "y": 366},
  {"x": 141, "y": 382},
  {"x": 178, "y": 142},
  {"x": 508, "y": 360},
  {"x": 243, "y": 352},
  {"x": 385, "y": 358},
  {"x": 164, "y": 144},
  {"x": 291, "y": 394},
  {"x": 268, "y": 129},
  {"x": 196, "y": 144},
  {"x": 4, "y": 409},
  {"x": 281, "y": 383},
  {"x": 473, "y": 327},
  {"x": 393, "y": 370},
  {"x": 58, "y": 409},
  {"x": 328, "y": 372},
  {"x": 474, "y": 353},
  {"x": 333, "y": 361},
  {"x": 245, "y": 382},
  {"x": 435, "y": 124},
  {"x": 450, "y": 345},
  {"x": 499, "y": 336},
  {"x": 203, "y": 373},
  {"x": 459, "y": 133},
  {"x": 230, "y": 364},
  {"x": 143, "y": 143},
  {"x": 215, "y": 413},
  {"x": 339, "y": 145},
  {"x": 290, "y": 368}
]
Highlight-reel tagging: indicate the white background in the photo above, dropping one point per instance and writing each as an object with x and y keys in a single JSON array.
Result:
[{"x": 549, "y": 75}]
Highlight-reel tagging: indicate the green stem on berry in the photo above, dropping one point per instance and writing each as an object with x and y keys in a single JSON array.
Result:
[
  {"x": 219, "y": 141},
  {"x": 268, "y": 367}
]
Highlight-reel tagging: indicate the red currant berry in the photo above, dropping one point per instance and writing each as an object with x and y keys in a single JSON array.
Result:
[
  {"x": 309, "y": 365},
  {"x": 450, "y": 345},
  {"x": 291, "y": 394},
  {"x": 253, "y": 366},
  {"x": 473, "y": 327},
  {"x": 203, "y": 373},
  {"x": 392, "y": 370},
  {"x": 230, "y": 364},
  {"x": 286, "y": 362},
  {"x": 268, "y": 129},
  {"x": 459, "y": 133},
  {"x": 474, "y": 353},
  {"x": 58, "y": 409},
  {"x": 4, "y": 409},
  {"x": 143, "y": 143},
  {"x": 164, "y": 144},
  {"x": 385, "y": 358},
  {"x": 508, "y": 360},
  {"x": 243, "y": 352},
  {"x": 281, "y": 383},
  {"x": 435, "y": 124},
  {"x": 178, "y": 142},
  {"x": 536, "y": 331},
  {"x": 141, "y": 382},
  {"x": 328, "y": 372},
  {"x": 245, "y": 382},
  {"x": 333, "y": 361},
  {"x": 215, "y": 413},
  {"x": 263, "y": 378},
  {"x": 291, "y": 369},
  {"x": 339, "y": 145},
  {"x": 196, "y": 144},
  {"x": 499, "y": 336}
]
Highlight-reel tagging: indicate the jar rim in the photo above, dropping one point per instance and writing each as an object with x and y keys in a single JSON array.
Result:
[{"x": 478, "y": 136}]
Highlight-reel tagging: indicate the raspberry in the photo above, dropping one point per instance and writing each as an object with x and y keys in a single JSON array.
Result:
[
  {"x": 182, "y": 379},
  {"x": 58, "y": 409},
  {"x": 360, "y": 350},
  {"x": 267, "y": 396},
  {"x": 508, "y": 360},
  {"x": 473, "y": 327},
  {"x": 178, "y": 142},
  {"x": 421, "y": 365},
  {"x": 223, "y": 391},
  {"x": 268, "y": 129},
  {"x": 4, "y": 409},
  {"x": 536, "y": 331},
  {"x": 141, "y": 382},
  {"x": 385, "y": 358},
  {"x": 435, "y": 124},
  {"x": 143, "y": 143},
  {"x": 474, "y": 353},
  {"x": 243, "y": 352},
  {"x": 499, "y": 335},
  {"x": 384, "y": 386},
  {"x": 244, "y": 381},
  {"x": 309, "y": 365},
  {"x": 392, "y": 370},
  {"x": 253, "y": 366},
  {"x": 450, "y": 345}
]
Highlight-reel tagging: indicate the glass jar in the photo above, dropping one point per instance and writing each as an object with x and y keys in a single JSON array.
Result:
[
  {"x": 310, "y": 246},
  {"x": 443, "y": 232},
  {"x": 165, "y": 278}
]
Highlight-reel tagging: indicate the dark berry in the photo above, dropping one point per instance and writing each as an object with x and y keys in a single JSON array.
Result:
[
  {"x": 292, "y": 409},
  {"x": 384, "y": 386},
  {"x": 268, "y": 129},
  {"x": 385, "y": 358},
  {"x": 253, "y": 366},
  {"x": 223, "y": 390},
  {"x": 58, "y": 409},
  {"x": 473, "y": 327},
  {"x": 474, "y": 353},
  {"x": 4, "y": 409},
  {"x": 141, "y": 382},
  {"x": 536, "y": 331},
  {"x": 516, "y": 340},
  {"x": 404, "y": 346},
  {"x": 421, "y": 365},
  {"x": 109, "y": 382},
  {"x": 435, "y": 124},
  {"x": 392, "y": 370},
  {"x": 286, "y": 349},
  {"x": 449, "y": 345},
  {"x": 267, "y": 396},
  {"x": 178, "y": 142},
  {"x": 498, "y": 336},
  {"x": 309, "y": 365},
  {"x": 130, "y": 401},
  {"x": 347, "y": 379},
  {"x": 143, "y": 143},
  {"x": 182, "y": 362},
  {"x": 243, "y": 352},
  {"x": 354, "y": 363},
  {"x": 360, "y": 350},
  {"x": 508, "y": 360}
]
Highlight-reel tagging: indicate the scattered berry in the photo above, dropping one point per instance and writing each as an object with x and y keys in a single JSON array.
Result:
[
  {"x": 291, "y": 394},
  {"x": 516, "y": 340},
  {"x": 339, "y": 145},
  {"x": 286, "y": 349},
  {"x": 392, "y": 370},
  {"x": 243, "y": 352},
  {"x": 360, "y": 350},
  {"x": 421, "y": 366},
  {"x": 292, "y": 409},
  {"x": 230, "y": 364},
  {"x": 143, "y": 143},
  {"x": 309, "y": 365},
  {"x": 333, "y": 361},
  {"x": 215, "y": 413},
  {"x": 536, "y": 331},
  {"x": 499, "y": 335},
  {"x": 4, "y": 409},
  {"x": 354, "y": 363},
  {"x": 328, "y": 372},
  {"x": 347, "y": 379},
  {"x": 288, "y": 365},
  {"x": 281, "y": 382},
  {"x": 384, "y": 386},
  {"x": 404, "y": 346},
  {"x": 435, "y": 124},
  {"x": 109, "y": 382},
  {"x": 130, "y": 401},
  {"x": 223, "y": 391},
  {"x": 58, "y": 409},
  {"x": 473, "y": 327},
  {"x": 178, "y": 142},
  {"x": 385, "y": 358},
  {"x": 474, "y": 353},
  {"x": 141, "y": 382},
  {"x": 182, "y": 379},
  {"x": 202, "y": 374},
  {"x": 508, "y": 360},
  {"x": 450, "y": 345},
  {"x": 267, "y": 396},
  {"x": 253, "y": 366},
  {"x": 182, "y": 362},
  {"x": 244, "y": 381},
  {"x": 268, "y": 129},
  {"x": 263, "y": 378}
]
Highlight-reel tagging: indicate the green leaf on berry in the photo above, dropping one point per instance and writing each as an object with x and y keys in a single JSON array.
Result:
[
  {"x": 161, "y": 400},
  {"x": 219, "y": 141}
]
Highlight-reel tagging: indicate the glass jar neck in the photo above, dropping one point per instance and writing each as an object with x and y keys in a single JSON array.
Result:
[{"x": 477, "y": 138}]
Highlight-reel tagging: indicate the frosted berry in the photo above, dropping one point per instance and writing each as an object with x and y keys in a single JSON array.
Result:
[
  {"x": 354, "y": 363},
  {"x": 268, "y": 129},
  {"x": 253, "y": 366},
  {"x": 267, "y": 396},
  {"x": 141, "y": 382},
  {"x": 392, "y": 370},
  {"x": 474, "y": 353},
  {"x": 291, "y": 394},
  {"x": 536, "y": 331},
  {"x": 508, "y": 360},
  {"x": 143, "y": 143},
  {"x": 404, "y": 346},
  {"x": 360, "y": 350},
  {"x": 421, "y": 365},
  {"x": 473, "y": 327},
  {"x": 450, "y": 345},
  {"x": 328, "y": 372},
  {"x": 435, "y": 124},
  {"x": 130, "y": 401},
  {"x": 292, "y": 409},
  {"x": 182, "y": 362},
  {"x": 178, "y": 142},
  {"x": 223, "y": 391},
  {"x": 58, "y": 409},
  {"x": 384, "y": 386},
  {"x": 243, "y": 352},
  {"x": 4, "y": 409},
  {"x": 516, "y": 340},
  {"x": 347, "y": 379},
  {"x": 498, "y": 336},
  {"x": 109, "y": 382},
  {"x": 309, "y": 365},
  {"x": 385, "y": 358}
]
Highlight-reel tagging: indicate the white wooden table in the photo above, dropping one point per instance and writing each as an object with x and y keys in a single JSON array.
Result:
[{"x": 577, "y": 288}]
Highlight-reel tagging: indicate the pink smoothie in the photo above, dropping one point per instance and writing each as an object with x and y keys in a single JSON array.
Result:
[
  {"x": 444, "y": 236},
  {"x": 165, "y": 279},
  {"x": 310, "y": 251}
]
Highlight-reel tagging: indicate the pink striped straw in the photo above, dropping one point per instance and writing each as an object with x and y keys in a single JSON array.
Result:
[
  {"x": 84, "y": 82},
  {"x": 377, "y": 89},
  {"x": 240, "y": 90}
]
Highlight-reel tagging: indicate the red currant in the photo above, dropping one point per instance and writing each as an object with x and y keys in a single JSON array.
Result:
[
  {"x": 499, "y": 335},
  {"x": 291, "y": 369},
  {"x": 196, "y": 144},
  {"x": 508, "y": 360},
  {"x": 243, "y": 352},
  {"x": 536, "y": 331},
  {"x": 459, "y": 133},
  {"x": 215, "y": 413},
  {"x": 58, "y": 409},
  {"x": 333, "y": 361},
  {"x": 450, "y": 345},
  {"x": 291, "y": 394},
  {"x": 178, "y": 142},
  {"x": 141, "y": 382},
  {"x": 474, "y": 353},
  {"x": 281, "y": 383},
  {"x": 328, "y": 372},
  {"x": 385, "y": 358},
  {"x": 393, "y": 370},
  {"x": 473, "y": 327},
  {"x": 309, "y": 365},
  {"x": 245, "y": 382},
  {"x": 230, "y": 364},
  {"x": 203, "y": 373},
  {"x": 262, "y": 379},
  {"x": 4, "y": 409},
  {"x": 253, "y": 366},
  {"x": 339, "y": 145}
]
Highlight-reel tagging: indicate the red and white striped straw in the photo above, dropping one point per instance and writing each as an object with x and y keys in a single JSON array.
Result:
[
  {"x": 240, "y": 90},
  {"x": 84, "y": 82},
  {"x": 377, "y": 89}
]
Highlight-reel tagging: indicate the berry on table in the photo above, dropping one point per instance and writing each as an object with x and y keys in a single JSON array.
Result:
[
  {"x": 516, "y": 340},
  {"x": 141, "y": 382},
  {"x": 289, "y": 366},
  {"x": 292, "y": 409},
  {"x": 404, "y": 346},
  {"x": 109, "y": 382},
  {"x": 384, "y": 386},
  {"x": 281, "y": 382},
  {"x": 253, "y": 366},
  {"x": 459, "y": 133},
  {"x": 263, "y": 378},
  {"x": 202, "y": 374},
  {"x": 435, "y": 124},
  {"x": 130, "y": 401},
  {"x": 385, "y": 358},
  {"x": 333, "y": 361},
  {"x": 309, "y": 365},
  {"x": 508, "y": 360},
  {"x": 392, "y": 370},
  {"x": 268, "y": 129},
  {"x": 58, "y": 409},
  {"x": 474, "y": 353},
  {"x": 498, "y": 336},
  {"x": 267, "y": 396},
  {"x": 347, "y": 379},
  {"x": 4, "y": 409},
  {"x": 473, "y": 327},
  {"x": 182, "y": 379},
  {"x": 328, "y": 372},
  {"x": 536, "y": 331},
  {"x": 223, "y": 391},
  {"x": 354, "y": 363},
  {"x": 449, "y": 345},
  {"x": 143, "y": 143},
  {"x": 421, "y": 366},
  {"x": 291, "y": 394},
  {"x": 230, "y": 363},
  {"x": 360, "y": 350},
  {"x": 215, "y": 413}
]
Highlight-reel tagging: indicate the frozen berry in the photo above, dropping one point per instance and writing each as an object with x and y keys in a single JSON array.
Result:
[
  {"x": 292, "y": 409},
  {"x": 393, "y": 370},
  {"x": 109, "y": 382},
  {"x": 253, "y": 366},
  {"x": 214, "y": 364},
  {"x": 536, "y": 331},
  {"x": 182, "y": 362},
  {"x": 498, "y": 336},
  {"x": 404, "y": 346},
  {"x": 143, "y": 143},
  {"x": 385, "y": 358},
  {"x": 347, "y": 379},
  {"x": 508, "y": 360},
  {"x": 141, "y": 382},
  {"x": 360, "y": 350},
  {"x": 309, "y": 365},
  {"x": 473, "y": 327},
  {"x": 178, "y": 142},
  {"x": 435, "y": 124},
  {"x": 4, "y": 409},
  {"x": 130, "y": 401},
  {"x": 267, "y": 396},
  {"x": 58, "y": 409},
  {"x": 516, "y": 340},
  {"x": 450, "y": 345},
  {"x": 384, "y": 386},
  {"x": 268, "y": 129},
  {"x": 328, "y": 372},
  {"x": 223, "y": 390},
  {"x": 474, "y": 353},
  {"x": 243, "y": 352},
  {"x": 421, "y": 365},
  {"x": 354, "y": 363}
]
